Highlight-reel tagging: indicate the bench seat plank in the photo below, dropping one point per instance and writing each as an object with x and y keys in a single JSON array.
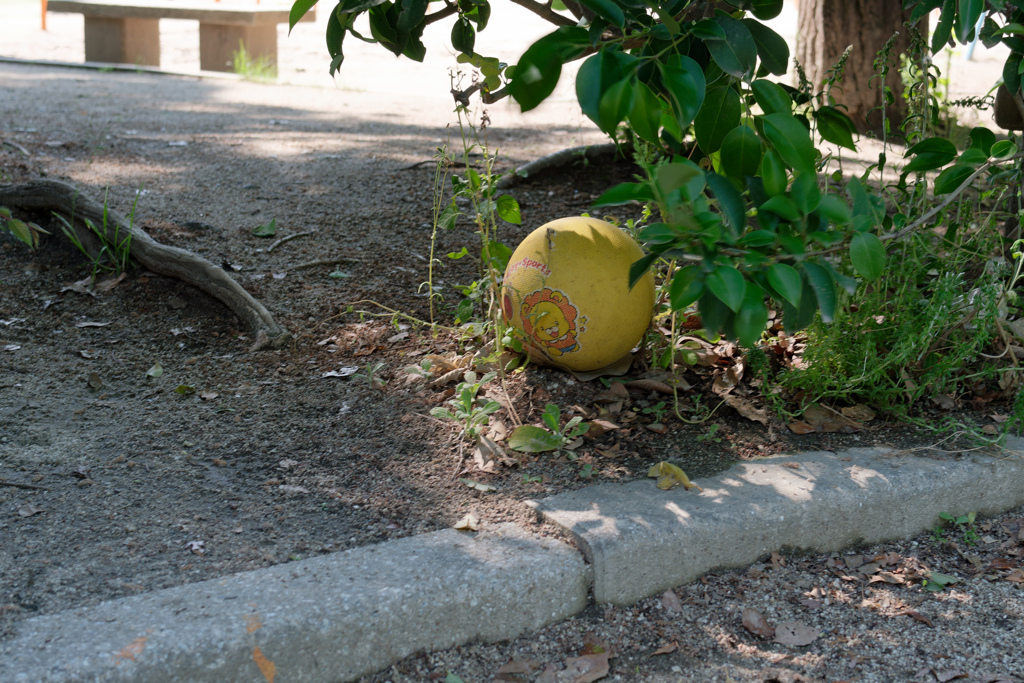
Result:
[{"x": 207, "y": 12}]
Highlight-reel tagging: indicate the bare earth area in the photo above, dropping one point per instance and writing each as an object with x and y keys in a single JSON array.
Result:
[{"x": 114, "y": 482}]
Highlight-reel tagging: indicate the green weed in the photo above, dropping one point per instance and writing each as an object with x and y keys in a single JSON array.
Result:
[{"x": 260, "y": 69}]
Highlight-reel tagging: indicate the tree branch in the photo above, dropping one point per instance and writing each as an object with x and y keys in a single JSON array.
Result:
[
  {"x": 545, "y": 12},
  {"x": 440, "y": 14}
]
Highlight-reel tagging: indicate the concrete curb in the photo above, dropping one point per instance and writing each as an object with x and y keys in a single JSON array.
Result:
[
  {"x": 342, "y": 616},
  {"x": 813, "y": 502},
  {"x": 330, "y": 618}
]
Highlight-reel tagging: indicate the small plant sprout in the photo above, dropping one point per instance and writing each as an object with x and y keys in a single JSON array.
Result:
[
  {"x": 471, "y": 411},
  {"x": 551, "y": 437},
  {"x": 371, "y": 375},
  {"x": 962, "y": 526},
  {"x": 710, "y": 435},
  {"x": 26, "y": 232}
]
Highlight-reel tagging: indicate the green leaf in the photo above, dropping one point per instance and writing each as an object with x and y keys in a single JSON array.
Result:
[
  {"x": 20, "y": 229},
  {"x": 616, "y": 103},
  {"x": 730, "y": 201},
  {"x": 596, "y": 77},
  {"x": 624, "y": 193},
  {"x": 1003, "y": 149},
  {"x": 752, "y": 317},
  {"x": 781, "y": 206},
  {"x": 299, "y": 9},
  {"x": 794, "y": 318},
  {"x": 950, "y": 179},
  {"x": 773, "y": 173},
  {"x": 835, "y": 209},
  {"x": 645, "y": 118},
  {"x": 719, "y": 115},
  {"x": 862, "y": 205},
  {"x": 792, "y": 141},
  {"x": 539, "y": 68},
  {"x": 970, "y": 10},
  {"x": 713, "y": 312},
  {"x": 267, "y": 229},
  {"x": 1011, "y": 72},
  {"x": 806, "y": 193},
  {"x": 448, "y": 217},
  {"x": 684, "y": 80},
  {"x": 686, "y": 287},
  {"x": 412, "y": 14},
  {"x": 606, "y": 9},
  {"x": 824, "y": 289},
  {"x": 736, "y": 55},
  {"x": 706, "y": 29},
  {"x": 944, "y": 28},
  {"x": 867, "y": 255},
  {"x": 766, "y": 9},
  {"x": 972, "y": 156},
  {"x": 983, "y": 139},
  {"x": 155, "y": 371},
  {"x": 785, "y": 280},
  {"x": 836, "y": 127},
  {"x": 771, "y": 97},
  {"x": 677, "y": 175},
  {"x": 771, "y": 47},
  {"x": 185, "y": 389},
  {"x": 741, "y": 153},
  {"x": 508, "y": 209},
  {"x": 930, "y": 154},
  {"x": 532, "y": 439},
  {"x": 729, "y": 285},
  {"x": 463, "y": 36},
  {"x": 638, "y": 268}
]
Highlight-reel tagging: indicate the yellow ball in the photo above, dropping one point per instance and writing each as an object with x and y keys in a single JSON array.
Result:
[{"x": 566, "y": 290}]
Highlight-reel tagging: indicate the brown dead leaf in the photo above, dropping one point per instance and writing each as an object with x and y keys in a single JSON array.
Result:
[
  {"x": 800, "y": 427},
  {"x": 516, "y": 669},
  {"x": 671, "y": 602},
  {"x": 667, "y": 648},
  {"x": 887, "y": 577},
  {"x": 657, "y": 428},
  {"x": 612, "y": 452},
  {"x": 811, "y": 603},
  {"x": 586, "y": 669},
  {"x": 488, "y": 455},
  {"x": 747, "y": 409},
  {"x": 859, "y": 412},
  {"x": 28, "y": 509},
  {"x": 945, "y": 676},
  {"x": 643, "y": 385},
  {"x": 594, "y": 644},
  {"x": 598, "y": 427},
  {"x": 756, "y": 624},
  {"x": 109, "y": 283},
  {"x": 1016, "y": 576},
  {"x": 918, "y": 616},
  {"x": 778, "y": 561},
  {"x": 468, "y": 523},
  {"x": 548, "y": 675},
  {"x": 829, "y": 421},
  {"x": 795, "y": 634},
  {"x": 944, "y": 401},
  {"x": 208, "y": 395},
  {"x": 999, "y": 418}
]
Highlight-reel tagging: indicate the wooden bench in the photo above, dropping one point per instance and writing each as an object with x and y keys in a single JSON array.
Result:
[{"x": 128, "y": 31}]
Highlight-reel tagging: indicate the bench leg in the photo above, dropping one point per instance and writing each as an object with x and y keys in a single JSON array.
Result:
[
  {"x": 219, "y": 42},
  {"x": 122, "y": 41}
]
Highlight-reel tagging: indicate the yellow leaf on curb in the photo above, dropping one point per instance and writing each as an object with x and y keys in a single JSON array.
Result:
[{"x": 669, "y": 475}]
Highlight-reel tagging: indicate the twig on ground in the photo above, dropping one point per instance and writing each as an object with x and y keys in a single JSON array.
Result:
[
  {"x": 559, "y": 159},
  {"x": 289, "y": 238},
  {"x": 19, "y": 485},
  {"x": 326, "y": 262}
]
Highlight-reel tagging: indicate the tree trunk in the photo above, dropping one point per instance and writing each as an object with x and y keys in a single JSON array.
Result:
[{"x": 827, "y": 27}]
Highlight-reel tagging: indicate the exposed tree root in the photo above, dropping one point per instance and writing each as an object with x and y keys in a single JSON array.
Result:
[
  {"x": 562, "y": 158},
  {"x": 53, "y": 195}
]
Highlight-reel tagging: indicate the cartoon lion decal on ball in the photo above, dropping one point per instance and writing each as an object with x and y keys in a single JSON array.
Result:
[{"x": 552, "y": 321}]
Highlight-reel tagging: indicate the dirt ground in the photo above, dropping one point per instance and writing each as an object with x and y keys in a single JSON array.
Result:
[{"x": 113, "y": 482}]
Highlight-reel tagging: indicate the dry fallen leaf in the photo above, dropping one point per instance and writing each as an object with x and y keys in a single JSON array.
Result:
[
  {"x": 917, "y": 615},
  {"x": 612, "y": 452},
  {"x": 800, "y": 427},
  {"x": 859, "y": 412},
  {"x": 670, "y": 475},
  {"x": 488, "y": 456},
  {"x": 515, "y": 669},
  {"x": 586, "y": 669},
  {"x": 598, "y": 427},
  {"x": 756, "y": 624},
  {"x": 468, "y": 523},
  {"x": 747, "y": 409},
  {"x": 208, "y": 395},
  {"x": 28, "y": 509},
  {"x": 829, "y": 421},
  {"x": 95, "y": 382},
  {"x": 946, "y": 676},
  {"x": 667, "y": 648},
  {"x": 795, "y": 634},
  {"x": 649, "y": 385},
  {"x": 1016, "y": 576},
  {"x": 671, "y": 602}
]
